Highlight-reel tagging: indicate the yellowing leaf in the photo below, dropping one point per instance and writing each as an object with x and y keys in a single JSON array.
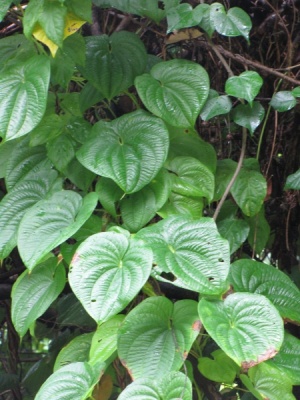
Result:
[{"x": 72, "y": 25}]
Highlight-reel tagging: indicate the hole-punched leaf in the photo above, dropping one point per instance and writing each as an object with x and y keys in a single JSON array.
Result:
[
  {"x": 255, "y": 277},
  {"x": 246, "y": 326},
  {"x": 175, "y": 91},
  {"x": 193, "y": 251},
  {"x": 50, "y": 222},
  {"x": 173, "y": 386},
  {"x": 33, "y": 293},
  {"x": 130, "y": 150},
  {"x": 17, "y": 202},
  {"x": 288, "y": 358},
  {"x": 245, "y": 86},
  {"x": 23, "y": 97},
  {"x": 157, "y": 335},
  {"x": 112, "y": 62},
  {"x": 107, "y": 271},
  {"x": 191, "y": 177},
  {"x": 73, "y": 381}
]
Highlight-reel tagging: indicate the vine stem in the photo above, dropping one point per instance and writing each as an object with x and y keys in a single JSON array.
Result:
[{"x": 244, "y": 137}]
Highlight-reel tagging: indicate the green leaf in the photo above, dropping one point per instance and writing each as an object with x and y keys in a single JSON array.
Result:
[
  {"x": 93, "y": 225},
  {"x": 249, "y": 116},
  {"x": 6, "y": 150},
  {"x": 235, "y": 231},
  {"x": 216, "y": 106},
  {"x": 50, "y": 222},
  {"x": 17, "y": 202},
  {"x": 191, "y": 177},
  {"x": 293, "y": 181},
  {"x": 245, "y": 86},
  {"x": 89, "y": 96},
  {"x": 162, "y": 341},
  {"x": 186, "y": 142},
  {"x": 109, "y": 262},
  {"x": 52, "y": 20},
  {"x": 270, "y": 382},
  {"x": 73, "y": 381},
  {"x": 184, "y": 16},
  {"x": 220, "y": 369},
  {"x": 255, "y": 277},
  {"x": 206, "y": 23},
  {"x": 109, "y": 193},
  {"x": 15, "y": 49},
  {"x": 130, "y": 150},
  {"x": 79, "y": 175},
  {"x": 175, "y": 91},
  {"x": 193, "y": 251},
  {"x": 246, "y": 326},
  {"x": 288, "y": 358},
  {"x": 50, "y": 127},
  {"x": 182, "y": 205},
  {"x": 249, "y": 191},
  {"x": 137, "y": 209},
  {"x": 75, "y": 351},
  {"x": 235, "y": 23},
  {"x": 173, "y": 386},
  {"x": 82, "y": 9},
  {"x": 112, "y": 62},
  {"x": 23, "y": 97},
  {"x": 259, "y": 231},
  {"x": 60, "y": 151},
  {"x": 283, "y": 101},
  {"x": 33, "y": 293},
  {"x": 104, "y": 342},
  {"x": 224, "y": 173},
  {"x": 4, "y": 8}
]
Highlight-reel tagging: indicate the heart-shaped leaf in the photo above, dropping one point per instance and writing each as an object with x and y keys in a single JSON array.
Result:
[
  {"x": 293, "y": 181},
  {"x": 33, "y": 293},
  {"x": 50, "y": 222},
  {"x": 104, "y": 342},
  {"x": 236, "y": 22},
  {"x": 245, "y": 86},
  {"x": 175, "y": 91},
  {"x": 23, "y": 96},
  {"x": 173, "y": 386},
  {"x": 130, "y": 150},
  {"x": 246, "y": 326},
  {"x": 255, "y": 277},
  {"x": 77, "y": 350},
  {"x": 137, "y": 209},
  {"x": 220, "y": 369},
  {"x": 109, "y": 193},
  {"x": 161, "y": 343},
  {"x": 192, "y": 178},
  {"x": 283, "y": 101},
  {"x": 216, "y": 106},
  {"x": 109, "y": 262},
  {"x": 112, "y": 62},
  {"x": 73, "y": 381},
  {"x": 235, "y": 231},
  {"x": 249, "y": 116},
  {"x": 288, "y": 358},
  {"x": 18, "y": 201},
  {"x": 193, "y": 251},
  {"x": 182, "y": 205},
  {"x": 184, "y": 16}
]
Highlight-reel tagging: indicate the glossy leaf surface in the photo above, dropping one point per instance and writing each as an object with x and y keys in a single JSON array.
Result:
[
  {"x": 160, "y": 344},
  {"x": 293, "y": 181},
  {"x": 249, "y": 116},
  {"x": 175, "y": 91},
  {"x": 283, "y": 101},
  {"x": 245, "y": 86}
]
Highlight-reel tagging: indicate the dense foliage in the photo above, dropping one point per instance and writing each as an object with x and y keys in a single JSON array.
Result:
[{"x": 139, "y": 254}]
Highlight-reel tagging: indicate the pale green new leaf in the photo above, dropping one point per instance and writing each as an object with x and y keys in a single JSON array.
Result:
[
  {"x": 255, "y": 277},
  {"x": 156, "y": 336},
  {"x": 73, "y": 381},
  {"x": 130, "y": 150},
  {"x": 50, "y": 222},
  {"x": 172, "y": 386},
  {"x": 18, "y": 201},
  {"x": 23, "y": 97},
  {"x": 104, "y": 342},
  {"x": 109, "y": 262},
  {"x": 75, "y": 351},
  {"x": 245, "y": 325},
  {"x": 219, "y": 369},
  {"x": 192, "y": 250},
  {"x": 191, "y": 177},
  {"x": 112, "y": 62},
  {"x": 34, "y": 292},
  {"x": 245, "y": 86},
  {"x": 175, "y": 91}
]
